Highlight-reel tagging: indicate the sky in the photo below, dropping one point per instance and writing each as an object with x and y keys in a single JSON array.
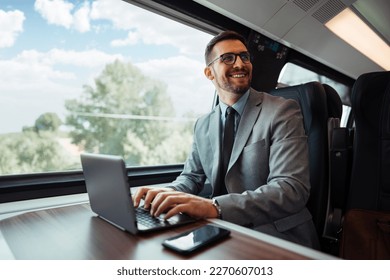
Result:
[{"x": 49, "y": 49}]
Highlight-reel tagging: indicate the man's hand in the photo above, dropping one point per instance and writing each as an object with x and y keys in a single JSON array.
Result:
[
  {"x": 161, "y": 200},
  {"x": 148, "y": 194}
]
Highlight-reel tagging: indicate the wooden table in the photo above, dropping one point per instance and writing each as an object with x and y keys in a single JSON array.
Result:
[{"x": 75, "y": 233}]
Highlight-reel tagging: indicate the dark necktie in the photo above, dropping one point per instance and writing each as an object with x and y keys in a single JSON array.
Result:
[{"x": 227, "y": 146}]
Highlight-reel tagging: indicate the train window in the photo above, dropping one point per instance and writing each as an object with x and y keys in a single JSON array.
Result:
[
  {"x": 293, "y": 74},
  {"x": 102, "y": 76}
]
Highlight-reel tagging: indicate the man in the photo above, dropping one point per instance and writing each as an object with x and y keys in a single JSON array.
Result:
[{"x": 266, "y": 184}]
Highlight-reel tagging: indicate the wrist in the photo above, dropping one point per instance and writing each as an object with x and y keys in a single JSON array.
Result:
[{"x": 217, "y": 207}]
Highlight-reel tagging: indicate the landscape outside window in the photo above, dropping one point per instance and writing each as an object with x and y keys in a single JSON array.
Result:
[{"x": 99, "y": 76}]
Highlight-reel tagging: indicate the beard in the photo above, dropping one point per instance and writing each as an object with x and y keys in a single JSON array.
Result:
[
  {"x": 239, "y": 89},
  {"x": 235, "y": 88}
]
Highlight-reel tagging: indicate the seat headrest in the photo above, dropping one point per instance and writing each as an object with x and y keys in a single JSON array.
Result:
[
  {"x": 311, "y": 97},
  {"x": 368, "y": 92},
  {"x": 334, "y": 103}
]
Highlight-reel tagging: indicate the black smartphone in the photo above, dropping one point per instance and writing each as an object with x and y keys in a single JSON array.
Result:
[{"x": 190, "y": 241}]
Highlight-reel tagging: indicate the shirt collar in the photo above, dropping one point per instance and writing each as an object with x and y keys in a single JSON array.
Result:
[{"x": 238, "y": 106}]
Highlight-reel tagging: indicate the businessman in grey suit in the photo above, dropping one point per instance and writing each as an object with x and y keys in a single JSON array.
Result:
[{"x": 265, "y": 183}]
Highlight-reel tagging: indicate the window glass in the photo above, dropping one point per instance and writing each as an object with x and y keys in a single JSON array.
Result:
[
  {"x": 293, "y": 74},
  {"x": 99, "y": 76}
]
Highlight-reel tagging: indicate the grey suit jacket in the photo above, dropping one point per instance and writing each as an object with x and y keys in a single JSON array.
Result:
[{"x": 268, "y": 175}]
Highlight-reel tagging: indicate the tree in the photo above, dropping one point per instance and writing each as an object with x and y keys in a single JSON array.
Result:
[
  {"x": 30, "y": 152},
  {"x": 45, "y": 122},
  {"x": 113, "y": 116},
  {"x": 48, "y": 122}
]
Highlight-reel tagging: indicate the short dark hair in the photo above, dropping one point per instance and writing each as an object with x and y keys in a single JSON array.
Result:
[{"x": 224, "y": 35}]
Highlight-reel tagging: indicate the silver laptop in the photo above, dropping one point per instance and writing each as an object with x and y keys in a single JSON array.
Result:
[{"x": 110, "y": 198}]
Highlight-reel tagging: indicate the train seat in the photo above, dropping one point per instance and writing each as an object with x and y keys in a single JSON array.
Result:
[
  {"x": 370, "y": 183},
  {"x": 317, "y": 106},
  {"x": 369, "y": 191}
]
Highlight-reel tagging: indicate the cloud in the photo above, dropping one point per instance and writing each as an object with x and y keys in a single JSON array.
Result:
[
  {"x": 63, "y": 13},
  {"x": 132, "y": 39},
  {"x": 189, "y": 88},
  {"x": 56, "y": 12},
  {"x": 90, "y": 58},
  {"x": 140, "y": 23},
  {"x": 174, "y": 69},
  {"x": 147, "y": 27},
  {"x": 11, "y": 25},
  {"x": 34, "y": 70},
  {"x": 81, "y": 19}
]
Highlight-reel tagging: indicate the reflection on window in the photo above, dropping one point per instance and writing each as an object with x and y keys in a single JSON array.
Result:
[
  {"x": 293, "y": 74},
  {"x": 104, "y": 76}
]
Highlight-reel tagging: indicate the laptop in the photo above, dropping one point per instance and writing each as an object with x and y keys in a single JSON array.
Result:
[{"x": 109, "y": 195}]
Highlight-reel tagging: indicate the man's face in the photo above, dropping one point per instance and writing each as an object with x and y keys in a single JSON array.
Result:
[{"x": 235, "y": 78}]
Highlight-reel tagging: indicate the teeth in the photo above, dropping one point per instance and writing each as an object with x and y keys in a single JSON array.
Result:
[{"x": 238, "y": 76}]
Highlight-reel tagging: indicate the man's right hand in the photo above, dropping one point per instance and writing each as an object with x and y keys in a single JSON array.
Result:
[
  {"x": 148, "y": 194},
  {"x": 172, "y": 202}
]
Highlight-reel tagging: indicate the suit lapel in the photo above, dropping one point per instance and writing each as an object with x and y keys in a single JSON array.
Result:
[{"x": 248, "y": 120}]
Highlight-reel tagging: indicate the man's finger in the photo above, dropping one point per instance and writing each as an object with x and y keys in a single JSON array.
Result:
[{"x": 140, "y": 194}]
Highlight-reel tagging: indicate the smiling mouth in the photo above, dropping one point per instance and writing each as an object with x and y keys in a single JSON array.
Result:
[{"x": 238, "y": 75}]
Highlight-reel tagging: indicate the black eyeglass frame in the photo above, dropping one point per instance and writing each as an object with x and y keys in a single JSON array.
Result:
[{"x": 241, "y": 54}]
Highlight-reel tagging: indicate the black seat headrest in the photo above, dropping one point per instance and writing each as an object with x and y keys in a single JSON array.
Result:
[{"x": 334, "y": 103}]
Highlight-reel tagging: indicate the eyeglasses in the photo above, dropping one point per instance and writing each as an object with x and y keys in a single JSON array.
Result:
[{"x": 230, "y": 58}]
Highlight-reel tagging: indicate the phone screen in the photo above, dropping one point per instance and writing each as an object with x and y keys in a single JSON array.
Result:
[{"x": 190, "y": 241}]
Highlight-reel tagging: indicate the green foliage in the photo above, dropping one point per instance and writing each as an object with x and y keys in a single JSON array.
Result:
[
  {"x": 172, "y": 149},
  {"x": 48, "y": 122},
  {"x": 30, "y": 152},
  {"x": 113, "y": 117},
  {"x": 45, "y": 122}
]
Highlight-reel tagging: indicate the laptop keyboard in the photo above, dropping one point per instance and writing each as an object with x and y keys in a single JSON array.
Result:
[{"x": 147, "y": 220}]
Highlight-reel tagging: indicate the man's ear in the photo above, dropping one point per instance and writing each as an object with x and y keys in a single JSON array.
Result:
[{"x": 208, "y": 73}]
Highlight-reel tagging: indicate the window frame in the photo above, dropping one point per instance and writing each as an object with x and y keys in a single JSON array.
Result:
[{"x": 40, "y": 185}]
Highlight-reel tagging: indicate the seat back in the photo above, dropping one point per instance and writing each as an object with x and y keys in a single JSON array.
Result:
[
  {"x": 370, "y": 178},
  {"x": 333, "y": 102},
  {"x": 313, "y": 101},
  {"x": 366, "y": 223}
]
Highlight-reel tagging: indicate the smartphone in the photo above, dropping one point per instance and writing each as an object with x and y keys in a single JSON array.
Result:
[{"x": 193, "y": 240}]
